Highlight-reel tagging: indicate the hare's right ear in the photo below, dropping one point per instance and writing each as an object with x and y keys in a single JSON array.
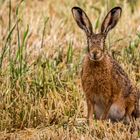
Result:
[
  {"x": 111, "y": 19},
  {"x": 82, "y": 20}
]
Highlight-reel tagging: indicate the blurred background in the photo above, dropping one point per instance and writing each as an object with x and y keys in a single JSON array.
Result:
[{"x": 41, "y": 50}]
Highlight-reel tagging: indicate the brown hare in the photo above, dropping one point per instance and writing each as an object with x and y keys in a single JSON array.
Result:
[{"x": 109, "y": 92}]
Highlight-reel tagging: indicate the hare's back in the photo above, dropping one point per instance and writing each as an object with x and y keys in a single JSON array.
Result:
[{"x": 120, "y": 79}]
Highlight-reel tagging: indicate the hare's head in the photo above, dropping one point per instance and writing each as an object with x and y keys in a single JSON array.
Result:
[{"x": 96, "y": 42}]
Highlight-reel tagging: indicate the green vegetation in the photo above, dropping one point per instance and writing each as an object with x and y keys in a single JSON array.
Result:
[{"x": 41, "y": 51}]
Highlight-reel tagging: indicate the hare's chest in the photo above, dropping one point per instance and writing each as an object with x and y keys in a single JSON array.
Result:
[{"x": 96, "y": 82}]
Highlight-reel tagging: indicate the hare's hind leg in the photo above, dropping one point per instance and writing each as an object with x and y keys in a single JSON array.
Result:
[
  {"x": 117, "y": 111},
  {"x": 136, "y": 112},
  {"x": 129, "y": 114},
  {"x": 131, "y": 108}
]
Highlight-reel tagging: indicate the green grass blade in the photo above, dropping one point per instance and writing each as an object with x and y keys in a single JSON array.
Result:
[{"x": 6, "y": 46}]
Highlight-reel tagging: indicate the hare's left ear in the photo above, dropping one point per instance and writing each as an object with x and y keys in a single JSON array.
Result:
[{"x": 111, "y": 19}]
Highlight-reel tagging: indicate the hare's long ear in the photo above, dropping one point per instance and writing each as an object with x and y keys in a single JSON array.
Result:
[
  {"x": 82, "y": 20},
  {"x": 111, "y": 19}
]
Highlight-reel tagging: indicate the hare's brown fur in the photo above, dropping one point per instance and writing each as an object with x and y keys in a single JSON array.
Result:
[
  {"x": 105, "y": 83},
  {"x": 109, "y": 92}
]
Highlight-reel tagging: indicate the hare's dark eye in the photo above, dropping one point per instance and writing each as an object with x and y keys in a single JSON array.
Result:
[{"x": 102, "y": 45}]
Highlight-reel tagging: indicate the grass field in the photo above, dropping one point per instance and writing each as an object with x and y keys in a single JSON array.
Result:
[{"x": 41, "y": 51}]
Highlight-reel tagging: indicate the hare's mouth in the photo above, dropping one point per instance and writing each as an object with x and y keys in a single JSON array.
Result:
[{"x": 98, "y": 57}]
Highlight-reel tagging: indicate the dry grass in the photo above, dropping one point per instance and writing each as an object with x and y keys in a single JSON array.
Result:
[
  {"x": 40, "y": 62},
  {"x": 73, "y": 131}
]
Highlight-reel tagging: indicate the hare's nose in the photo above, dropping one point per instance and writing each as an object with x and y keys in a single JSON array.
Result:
[{"x": 96, "y": 55}]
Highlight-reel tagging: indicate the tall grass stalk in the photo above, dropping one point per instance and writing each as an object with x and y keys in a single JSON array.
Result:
[
  {"x": 9, "y": 29},
  {"x": 5, "y": 47},
  {"x": 44, "y": 29},
  {"x": 38, "y": 91}
]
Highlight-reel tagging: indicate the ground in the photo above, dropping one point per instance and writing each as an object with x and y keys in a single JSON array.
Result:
[{"x": 41, "y": 51}]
